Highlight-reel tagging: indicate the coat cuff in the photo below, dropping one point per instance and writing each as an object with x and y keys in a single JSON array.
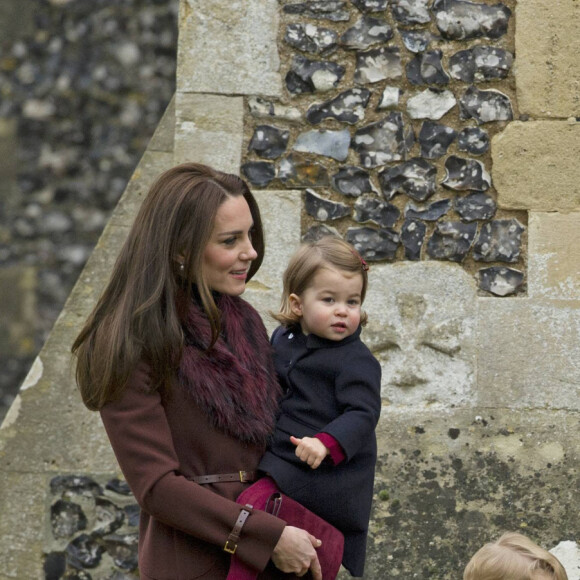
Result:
[{"x": 337, "y": 454}]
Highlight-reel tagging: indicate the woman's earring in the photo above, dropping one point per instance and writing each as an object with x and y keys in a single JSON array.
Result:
[{"x": 182, "y": 267}]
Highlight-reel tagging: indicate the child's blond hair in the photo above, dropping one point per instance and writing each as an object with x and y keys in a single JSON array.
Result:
[
  {"x": 327, "y": 252},
  {"x": 514, "y": 557}
]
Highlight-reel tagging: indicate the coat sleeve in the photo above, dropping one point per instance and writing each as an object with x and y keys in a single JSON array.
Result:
[
  {"x": 141, "y": 439},
  {"x": 358, "y": 392}
]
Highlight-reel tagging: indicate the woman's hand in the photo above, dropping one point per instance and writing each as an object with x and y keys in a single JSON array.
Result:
[
  {"x": 310, "y": 450},
  {"x": 295, "y": 553}
]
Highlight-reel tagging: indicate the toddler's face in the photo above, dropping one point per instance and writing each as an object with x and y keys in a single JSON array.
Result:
[{"x": 331, "y": 306}]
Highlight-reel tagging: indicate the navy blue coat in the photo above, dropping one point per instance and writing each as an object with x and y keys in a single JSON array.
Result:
[{"x": 331, "y": 387}]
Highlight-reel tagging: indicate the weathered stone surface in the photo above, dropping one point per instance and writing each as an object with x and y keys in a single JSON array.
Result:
[
  {"x": 209, "y": 129},
  {"x": 435, "y": 139},
  {"x": 431, "y": 104},
  {"x": 366, "y": 32},
  {"x": 235, "y": 58},
  {"x": 485, "y": 106},
  {"x": 18, "y": 313},
  {"x": 309, "y": 76},
  {"x": 473, "y": 140},
  {"x": 311, "y": 38},
  {"x": 123, "y": 549},
  {"x": 499, "y": 241},
  {"x": 410, "y": 12},
  {"x": 322, "y": 9},
  {"x": 269, "y": 142},
  {"x": 429, "y": 213},
  {"x": 371, "y": 5},
  {"x": 323, "y": 209},
  {"x": 422, "y": 332},
  {"x": 451, "y": 241},
  {"x": 554, "y": 255},
  {"x": 383, "y": 141},
  {"x": 297, "y": 171},
  {"x": 475, "y": 206},
  {"x": 547, "y": 47},
  {"x": 352, "y": 181},
  {"x": 22, "y": 504},
  {"x": 377, "y": 64},
  {"x": 389, "y": 98},
  {"x": 438, "y": 468},
  {"x": 347, "y": 107},
  {"x": 416, "y": 40},
  {"x": 319, "y": 231},
  {"x": 412, "y": 238},
  {"x": 426, "y": 69},
  {"x": 267, "y": 109},
  {"x": 259, "y": 173},
  {"x": 521, "y": 365},
  {"x": 84, "y": 552},
  {"x": 370, "y": 209},
  {"x": 333, "y": 144},
  {"x": 461, "y": 20},
  {"x": 523, "y": 177},
  {"x": 374, "y": 244},
  {"x": 481, "y": 63},
  {"x": 66, "y": 518},
  {"x": 499, "y": 280},
  {"x": 415, "y": 178},
  {"x": 466, "y": 174}
]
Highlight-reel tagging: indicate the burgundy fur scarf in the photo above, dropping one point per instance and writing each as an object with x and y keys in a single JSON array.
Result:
[{"x": 235, "y": 382}]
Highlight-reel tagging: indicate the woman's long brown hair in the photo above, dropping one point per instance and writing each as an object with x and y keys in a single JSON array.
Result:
[{"x": 137, "y": 316}]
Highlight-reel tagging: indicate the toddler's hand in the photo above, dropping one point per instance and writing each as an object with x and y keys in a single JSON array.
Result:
[{"x": 310, "y": 450}]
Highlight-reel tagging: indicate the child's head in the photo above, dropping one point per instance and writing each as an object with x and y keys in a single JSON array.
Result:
[
  {"x": 514, "y": 557},
  {"x": 326, "y": 279}
]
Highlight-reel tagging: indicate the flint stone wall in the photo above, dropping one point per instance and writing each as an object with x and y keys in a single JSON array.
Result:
[{"x": 478, "y": 432}]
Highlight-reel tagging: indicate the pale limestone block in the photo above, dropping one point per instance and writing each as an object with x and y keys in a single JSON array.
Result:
[
  {"x": 209, "y": 129},
  {"x": 422, "y": 319},
  {"x": 547, "y": 47},
  {"x": 51, "y": 430},
  {"x": 535, "y": 166},
  {"x": 280, "y": 211},
  {"x": 554, "y": 256},
  {"x": 529, "y": 354},
  {"x": 22, "y": 505},
  {"x": 163, "y": 137},
  {"x": 229, "y": 47}
]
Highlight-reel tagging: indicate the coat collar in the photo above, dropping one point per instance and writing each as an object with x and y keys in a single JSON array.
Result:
[{"x": 314, "y": 342}]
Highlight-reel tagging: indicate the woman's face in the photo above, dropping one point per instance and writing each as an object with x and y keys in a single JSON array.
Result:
[{"x": 229, "y": 252}]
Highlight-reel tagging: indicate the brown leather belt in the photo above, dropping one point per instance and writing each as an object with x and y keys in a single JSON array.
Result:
[{"x": 240, "y": 476}]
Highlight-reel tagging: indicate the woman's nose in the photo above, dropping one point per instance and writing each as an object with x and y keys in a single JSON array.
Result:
[{"x": 248, "y": 252}]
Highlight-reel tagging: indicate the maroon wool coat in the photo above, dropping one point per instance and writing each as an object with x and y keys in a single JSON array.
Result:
[{"x": 160, "y": 441}]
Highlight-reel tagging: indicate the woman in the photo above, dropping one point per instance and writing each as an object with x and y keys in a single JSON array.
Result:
[{"x": 179, "y": 367}]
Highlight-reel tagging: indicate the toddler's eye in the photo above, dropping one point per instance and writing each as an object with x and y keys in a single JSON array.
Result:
[{"x": 328, "y": 299}]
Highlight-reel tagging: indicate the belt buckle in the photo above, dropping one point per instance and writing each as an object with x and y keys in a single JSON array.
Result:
[
  {"x": 228, "y": 549},
  {"x": 243, "y": 475}
]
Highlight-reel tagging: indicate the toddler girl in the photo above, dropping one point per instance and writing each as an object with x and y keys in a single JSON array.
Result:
[{"x": 323, "y": 451}]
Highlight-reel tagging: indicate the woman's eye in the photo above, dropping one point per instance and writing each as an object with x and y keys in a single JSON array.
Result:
[{"x": 229, "y": 241}]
